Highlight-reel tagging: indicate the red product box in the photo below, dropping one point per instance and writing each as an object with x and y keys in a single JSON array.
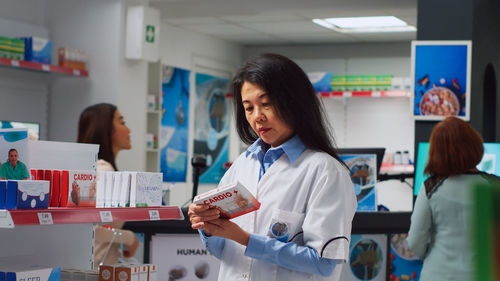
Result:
[
  {"x": 78, "y": 188},
  {"x": 232, "y": 200},
  {"x": 55, "y": 189}
]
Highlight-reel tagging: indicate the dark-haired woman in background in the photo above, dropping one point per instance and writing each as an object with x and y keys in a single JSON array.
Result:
[
  {"x": 104, "y": 125},
  {"x": 293, "y": 169},
  {"x": 441, "y": 224}
]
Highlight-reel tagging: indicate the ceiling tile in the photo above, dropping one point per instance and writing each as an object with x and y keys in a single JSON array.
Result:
[
  {"x": 285, "y": 27},
  {"x": 219, "y": 29},
  {"x": 264, "y": 17},
  {"x": 192, "y": 20}
]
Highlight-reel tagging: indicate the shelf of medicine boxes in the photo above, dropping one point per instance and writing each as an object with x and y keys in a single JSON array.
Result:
[
  {"x": 369, "y": 94},
  {"x": 12, "y": 218},
  {"x": 41, "y": 67}
]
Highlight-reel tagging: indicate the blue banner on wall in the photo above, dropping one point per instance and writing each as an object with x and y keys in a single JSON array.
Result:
[
  {"x": 174, "y": 124},
  {"x": 211, "y": 130}
]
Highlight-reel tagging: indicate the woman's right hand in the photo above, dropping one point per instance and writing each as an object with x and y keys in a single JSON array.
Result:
[{"x": 198, "y": 214}]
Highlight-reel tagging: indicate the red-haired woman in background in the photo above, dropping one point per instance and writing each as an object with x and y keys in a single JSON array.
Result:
[{"x": 441, "y": 224}]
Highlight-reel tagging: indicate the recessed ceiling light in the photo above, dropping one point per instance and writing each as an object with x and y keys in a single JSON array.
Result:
[{"x": 365, "y": 24}]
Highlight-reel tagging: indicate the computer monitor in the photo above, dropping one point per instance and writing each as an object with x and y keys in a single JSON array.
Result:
[
  {"x": 379, "y": 151},
  {"x": 489, "y": 164},
  {"x": 33, "y": 127}
]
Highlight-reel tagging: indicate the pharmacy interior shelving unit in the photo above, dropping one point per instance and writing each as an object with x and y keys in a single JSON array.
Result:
[
  {"x": 154, "y": 115},
  {"x": 41, "y": 67},
  {"x": 64, "y": 237}
]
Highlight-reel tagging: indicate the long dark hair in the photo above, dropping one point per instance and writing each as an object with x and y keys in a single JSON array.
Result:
[
  {"x": 293, "y": 97},
  {"x": 96, "y": 126}
]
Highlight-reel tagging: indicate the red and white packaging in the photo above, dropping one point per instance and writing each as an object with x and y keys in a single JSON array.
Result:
[
  {"x": 232, "y": 200},
  {"x": 33, "y": 174},
  {"x": 78, "y": 188},
  {"x": 55, "y": 189},
  {"x": 47, "y": 176},
  {"x": 64, "y": 188},
  {"x": 40, "y": 174}
]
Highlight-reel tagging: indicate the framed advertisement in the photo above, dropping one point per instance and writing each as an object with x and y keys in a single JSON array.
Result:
[{"x": 440, "y": 79}]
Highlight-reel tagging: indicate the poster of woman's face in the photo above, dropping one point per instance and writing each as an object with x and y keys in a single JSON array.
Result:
[{"x": 14, "y": 154}]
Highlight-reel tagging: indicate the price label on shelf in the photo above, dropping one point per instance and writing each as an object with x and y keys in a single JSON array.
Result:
[
  {"x": 45, "y": 218},
  {"x": 106, "y": 216},
  {"x": 14, "y": 63},
  {"x": 376, "y": 94},
  {"x": 154, "y": 215},
  {"x": 76, "y": 72},
  {"x": 45, "y": 67}
]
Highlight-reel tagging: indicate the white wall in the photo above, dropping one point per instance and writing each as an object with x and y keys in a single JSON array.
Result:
[
  {"x": 93, "y": 26},
  {"x": 23, "y": 94},
  {"x": 196, "y": 52}
]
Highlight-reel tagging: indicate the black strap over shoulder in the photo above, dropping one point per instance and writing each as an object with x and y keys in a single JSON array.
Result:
[{"x": 432, "y": 183}]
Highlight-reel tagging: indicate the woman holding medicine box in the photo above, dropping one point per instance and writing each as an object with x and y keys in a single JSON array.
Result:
[
  {"x": 103, "y": 124},
  {"x": 302, "y": 229}
]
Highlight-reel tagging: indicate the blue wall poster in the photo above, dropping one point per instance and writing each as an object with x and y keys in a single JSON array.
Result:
[
  {"x": 367, "y": 258},
  {"x": 440, "y": 74},
  {"x": 211, "y": 128},
  {"x": 174, "y": 124},
  {"x": 363, "y": 172}
]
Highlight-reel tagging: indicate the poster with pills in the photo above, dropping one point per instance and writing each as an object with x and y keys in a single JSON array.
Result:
[
  {"x": 441, "y": 78},
  {"x": 183, "y": 257}
]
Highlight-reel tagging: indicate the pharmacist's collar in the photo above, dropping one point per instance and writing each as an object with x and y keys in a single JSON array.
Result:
[{"x": 292, "y": 147}]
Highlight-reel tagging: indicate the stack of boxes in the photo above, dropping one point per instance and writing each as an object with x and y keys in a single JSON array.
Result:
[
  {"x": 12, "y": 48},
  {"x": 128, "y": 272},
  {"x": 361, "y": 82},
  {"x": 39, "y": 50}
]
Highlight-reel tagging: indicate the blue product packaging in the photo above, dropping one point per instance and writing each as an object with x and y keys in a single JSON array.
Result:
[
  {"x": 321, "y": 81},
  {"x": 24, "y": 273},
  {"x": 33, "y": 194},
  {"x": 3, "y": 191},
  {"x": 37, "y": 49},
  {"x": 11, "y": 195}
]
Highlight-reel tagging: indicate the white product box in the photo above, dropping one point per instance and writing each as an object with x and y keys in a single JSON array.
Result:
[
  {"x": 125, "y": 190},
  {"x": 145, "y": 189},
  {"x": 108, "y": 189},
  {"x": 143, "y": 272},
  {"x": 153, "y": 272},
  {"x": 100, "y": 189},
  {"x": 117, "y": 188}
]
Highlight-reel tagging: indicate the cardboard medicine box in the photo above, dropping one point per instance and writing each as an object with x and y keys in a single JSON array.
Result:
[
  {"x": 145, "y": 189},
  {"x": 80, "y": 189},
  {"x": 128, "y": 272}
]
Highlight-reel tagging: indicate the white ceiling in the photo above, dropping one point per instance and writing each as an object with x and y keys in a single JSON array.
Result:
[{"x": 280, "y": 22}]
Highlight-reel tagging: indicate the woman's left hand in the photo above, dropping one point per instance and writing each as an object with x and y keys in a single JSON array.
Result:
[{"x": 227, "y": 229}]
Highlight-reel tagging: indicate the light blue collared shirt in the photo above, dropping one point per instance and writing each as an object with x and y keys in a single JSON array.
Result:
[{"x": 289, "y": 254}]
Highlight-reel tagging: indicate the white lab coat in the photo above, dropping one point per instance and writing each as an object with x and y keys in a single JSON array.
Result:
[{"x": 314, "y": 195}]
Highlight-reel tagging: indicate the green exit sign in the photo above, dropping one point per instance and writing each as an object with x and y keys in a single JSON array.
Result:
[{"x": 150, "y": 33}]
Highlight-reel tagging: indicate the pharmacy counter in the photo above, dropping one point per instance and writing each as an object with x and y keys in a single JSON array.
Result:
[{"x": 364, "y": 223}]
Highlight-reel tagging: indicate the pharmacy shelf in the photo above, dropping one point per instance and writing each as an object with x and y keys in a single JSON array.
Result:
[
  {"x": 12, "y": 218},
  {"x": 40, "y": 67},
  {"x": 368, "y": 94}
]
